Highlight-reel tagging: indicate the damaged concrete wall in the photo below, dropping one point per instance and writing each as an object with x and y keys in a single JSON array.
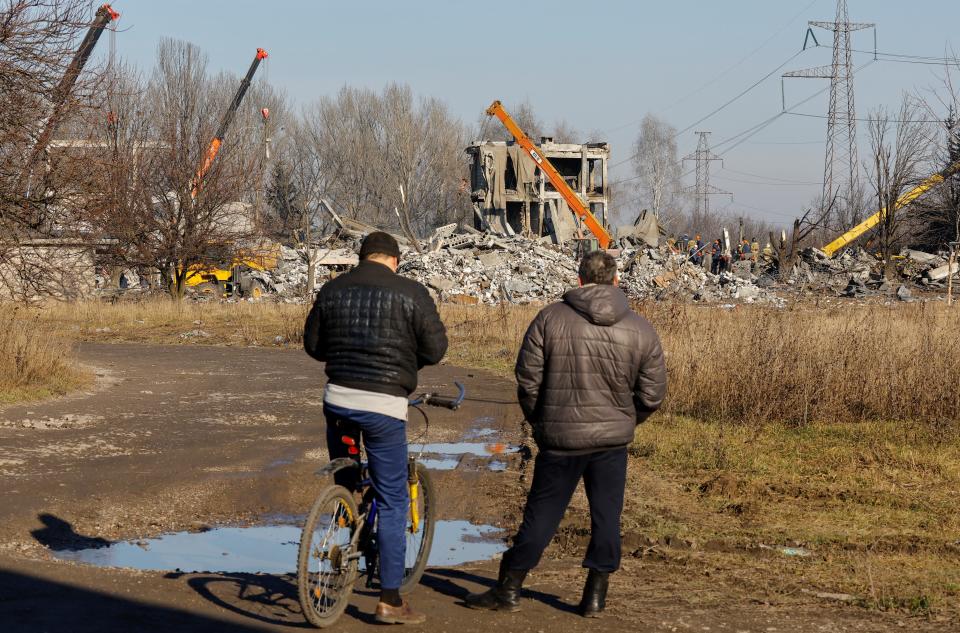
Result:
[
  {"x": 52, "y": 268},
  {"x": 512, "y": 196}
]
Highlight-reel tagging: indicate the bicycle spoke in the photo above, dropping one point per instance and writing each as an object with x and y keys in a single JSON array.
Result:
[{"x": 332, "y": 570}]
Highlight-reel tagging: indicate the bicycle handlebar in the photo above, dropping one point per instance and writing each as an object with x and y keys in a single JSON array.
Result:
[{"x": 442, "y": 401}]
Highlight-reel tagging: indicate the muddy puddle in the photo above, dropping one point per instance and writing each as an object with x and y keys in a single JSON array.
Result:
[
  {"x": 268, "y": 549},
  {"x": 449, "y": 455}
]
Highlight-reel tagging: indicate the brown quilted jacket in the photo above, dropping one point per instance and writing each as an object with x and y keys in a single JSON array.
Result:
[{"x": 590, "y": 369}]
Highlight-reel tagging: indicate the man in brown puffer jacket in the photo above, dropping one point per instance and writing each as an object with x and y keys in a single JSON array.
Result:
[{"x": 590, "y": 369}]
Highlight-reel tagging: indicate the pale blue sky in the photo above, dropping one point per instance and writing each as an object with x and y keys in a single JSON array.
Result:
[{"x": 635, "y": 57}]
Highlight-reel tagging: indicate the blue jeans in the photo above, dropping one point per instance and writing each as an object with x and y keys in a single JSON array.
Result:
[{"x": 385, "y": 439}]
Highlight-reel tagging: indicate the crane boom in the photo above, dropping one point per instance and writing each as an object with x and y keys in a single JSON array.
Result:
[
  {"x": 217, "y": 141},
  {"x": 901, "y": 202},
  {"x": 105, "y": 14},
  {"x": 573, "y": 201}
]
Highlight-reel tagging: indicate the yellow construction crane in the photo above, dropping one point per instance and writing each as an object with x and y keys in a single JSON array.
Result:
[
  {"x": 902, "y": 201},
  {"x": 573, "y": 201}
]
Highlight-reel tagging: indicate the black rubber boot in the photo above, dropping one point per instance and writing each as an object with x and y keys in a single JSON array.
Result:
[
  {"x": 505, "y": 596},
  {"x": 594, "y": 599}
]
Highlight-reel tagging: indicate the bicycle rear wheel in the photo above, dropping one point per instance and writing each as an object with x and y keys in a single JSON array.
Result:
[
  {"x": 327, "y": 566},
  {"x": 419, "y": 536}
]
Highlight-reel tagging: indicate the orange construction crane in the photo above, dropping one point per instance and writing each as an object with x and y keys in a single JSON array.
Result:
[
  {"x": 104, "y": 16},
  {"x": 573, "y": 201},
  {"x": 217, "y": 141}
]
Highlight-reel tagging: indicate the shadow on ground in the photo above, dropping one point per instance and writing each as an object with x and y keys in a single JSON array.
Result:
[
  {"x": 261, "y": 597},
  {"x": 441, "y": 581},
  {"x": 58, "y": 534},
  {"x": 36, "y": 604}
]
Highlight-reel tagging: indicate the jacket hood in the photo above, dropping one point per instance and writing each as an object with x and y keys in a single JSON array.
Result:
[{"x": 600, "y": 304}]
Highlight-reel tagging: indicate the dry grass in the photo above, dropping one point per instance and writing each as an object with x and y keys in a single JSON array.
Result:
[
  {"x": 35, "y": 361},
  {"x": 749, "y": 364},
  {"x": 874, "y": 503},
  {"x": 165, "y": 322},
  {"x": 857, "y": 363},
  {"x": 754, "y": 364}
]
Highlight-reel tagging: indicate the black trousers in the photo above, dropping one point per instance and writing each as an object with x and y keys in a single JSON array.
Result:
[{"x": 555, "y": 478}]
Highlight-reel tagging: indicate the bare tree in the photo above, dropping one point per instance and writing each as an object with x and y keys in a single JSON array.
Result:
[
  {"x": 303, "y": 190},
  {"x": 899, "y": 153},
  {"x": 939, "y": 211},
  {"x": 162, "y": 214},
  {"x": 38, "y": 39},
  {"x": 367, "y": 148},
  {"x": 565, "y": 132},
  {"x": 489, "y": 129},
  {"x": 657, "y": 166}
]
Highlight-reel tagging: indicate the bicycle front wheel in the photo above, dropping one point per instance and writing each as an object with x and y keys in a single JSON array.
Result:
[
  {"x": 419, "y": 532},
  {"x": 327, "y": 564}
]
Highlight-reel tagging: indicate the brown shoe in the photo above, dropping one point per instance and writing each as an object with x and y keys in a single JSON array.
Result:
[{"x": 398, "y": 615}]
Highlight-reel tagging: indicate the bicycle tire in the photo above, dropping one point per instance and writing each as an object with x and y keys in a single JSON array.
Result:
[
  {"x": 427, "y": 491},
  {"x": 306, "y": 591}
]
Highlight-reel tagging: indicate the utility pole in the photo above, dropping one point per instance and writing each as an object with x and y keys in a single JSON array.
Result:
[
  {"x": 703, "y": 189},
  {"x": 840, "y": 168}
]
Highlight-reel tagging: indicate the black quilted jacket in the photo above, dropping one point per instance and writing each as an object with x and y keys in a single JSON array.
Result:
[
  {"x": 589, "y": 370},
  {"x": 374, "y": 329}
]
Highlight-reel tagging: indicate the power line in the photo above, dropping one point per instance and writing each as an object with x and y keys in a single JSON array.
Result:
[
  {"x": 910, "y": 59},
  {"x": 718, "y": 77},
  {"x": 722, "y": 107},
  {"x": 787, "y": 143},
  {"x": 867, "y": 120},
  {"x": 745, "y": 135},
  {"x": 769, "y": 184},
  {"x": 781, "y": 214},
  {"x": 750, "y": 132},
  {"x": 751, "y": 87},
  {"x": 761, "y": 176}
]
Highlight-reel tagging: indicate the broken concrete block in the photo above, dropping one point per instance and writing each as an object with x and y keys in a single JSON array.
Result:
[
  {"x": 922, "y": 258},
  {"x": 491, "y": 259},
  {"x": 441, "y": 284},
  {"x": 518, "y": 286},
  {"x": 943, "y": 272}
]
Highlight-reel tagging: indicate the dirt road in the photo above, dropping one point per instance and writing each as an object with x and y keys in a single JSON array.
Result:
[{"x": 181, "y": 438}]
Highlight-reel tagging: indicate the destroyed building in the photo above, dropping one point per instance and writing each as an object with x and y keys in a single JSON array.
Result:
[{"x": 512, "y": 196}]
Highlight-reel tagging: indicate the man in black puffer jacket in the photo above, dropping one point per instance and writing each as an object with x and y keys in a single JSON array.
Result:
[
  {"x": 590, "y": 369},
  {"x": 374, "y": 329}
]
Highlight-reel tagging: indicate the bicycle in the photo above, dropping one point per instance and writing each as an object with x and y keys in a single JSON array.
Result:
[{"x": 339, "y": 531}]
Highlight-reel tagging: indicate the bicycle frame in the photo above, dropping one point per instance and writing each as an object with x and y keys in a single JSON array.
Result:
[{"x": 367, "y": 518}]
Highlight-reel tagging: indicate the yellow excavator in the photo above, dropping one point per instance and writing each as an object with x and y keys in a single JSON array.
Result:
[{"x": 875, "y": 219}]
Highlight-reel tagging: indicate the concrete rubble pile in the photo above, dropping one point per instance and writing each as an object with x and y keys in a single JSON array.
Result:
[
  {"x": 472, "y": 267},
  {"x": 661, "y": 274},
  {"x": 490, "y": 269},
  {"x": 467, "y": 266},
  {"x": 855, "y": 273}
]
